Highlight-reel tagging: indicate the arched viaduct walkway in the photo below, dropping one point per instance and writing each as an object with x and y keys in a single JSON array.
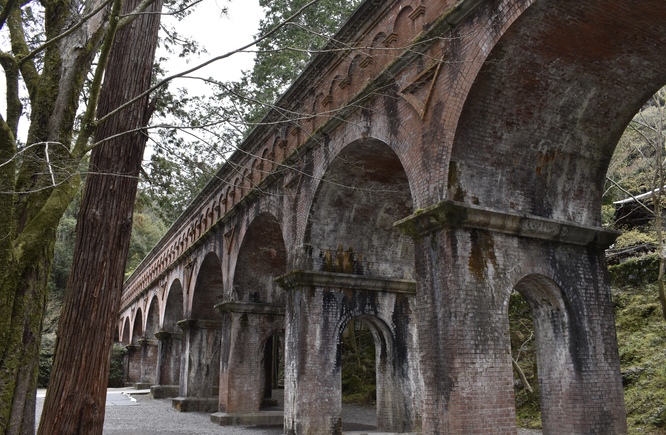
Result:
[{"x": 445, "y": 154}]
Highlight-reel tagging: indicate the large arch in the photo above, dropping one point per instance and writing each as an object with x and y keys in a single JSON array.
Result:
[
  {"x": 262, "y": 257},
  {"x": 545, "y": 112},
  {"x": 126, "y": 338},
  {"x": 253, "y": 315},
  {"x": 134, "y": 349},
  {"x": 170, "y": 343},
  {"x": 350, "y": 225},
  {"x": 149, "y": 344},
  {"x": 208, "y": 289},
  {"x": 200, "y": 359}
]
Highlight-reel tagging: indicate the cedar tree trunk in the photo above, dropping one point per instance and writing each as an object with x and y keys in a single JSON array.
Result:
[{"x": 76, "y": 396}]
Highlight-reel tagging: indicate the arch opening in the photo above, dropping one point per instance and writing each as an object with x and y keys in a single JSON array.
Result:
[
  {"x": 548, "y": 106},
  {"x": 272, "y": 374},
  {"x": 171, "y": 340},
  {"x": 543, "y": 357},
  {"x": 208, "y": 290},
  {"x": 262, "y": 258},
  {"x": 350, "y": 226}
]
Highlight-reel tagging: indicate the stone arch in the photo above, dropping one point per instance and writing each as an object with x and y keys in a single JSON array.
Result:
[
  {"x": 556, "y": 351},
  {"x": 149, "y": 344},
  {"x": 238, "y": 189},
  {"x": 350, "y": 225},
  {"x": 170, "y": 338},
  {"x": 267, "y": 161},
  {"x": 152, "y": 317},
  {"x": 403, "y": 25},
  {"x": 261, "y": 258},
  {"x": 229, "y": 199},
  {"x": 125, "y": 333},
  {"x": 272, "y": 359},
  {"x": 354, "y": 66},
  {"x": 247, "y": 184},
  {"x": 547, "y": 108},
  {"x": 208, "y": 288},
  {"x": 137, "y": 326},
  {"x": 391, "y": 402},
  {"x": 200, "y": 358},
  {"x": 173, "y": 307}
]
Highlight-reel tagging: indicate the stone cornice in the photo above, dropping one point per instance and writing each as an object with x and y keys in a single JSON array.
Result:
[
  {"x": 450, "y": 214},
  {"x": 249, "y": 307},
  {"x": 186, "y": 324},
  {"x": 148, "y": 341},
  {"x": 308, "y": 278}
]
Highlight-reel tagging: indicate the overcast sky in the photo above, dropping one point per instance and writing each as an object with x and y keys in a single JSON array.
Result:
[{"x": 220, "y": 34}]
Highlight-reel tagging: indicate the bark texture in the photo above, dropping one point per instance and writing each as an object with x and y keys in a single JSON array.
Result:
[
  {"x": 35, "y": 194},
  {"x": 75, "y": 401}
]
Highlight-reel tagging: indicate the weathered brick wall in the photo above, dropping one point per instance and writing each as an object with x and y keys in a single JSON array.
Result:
[{"x": 468, "y": 273}]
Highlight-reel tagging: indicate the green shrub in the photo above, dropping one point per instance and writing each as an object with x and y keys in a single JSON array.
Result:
[
  {"x": 117, "y": 371},
  {"x": 635, "y": 271}
]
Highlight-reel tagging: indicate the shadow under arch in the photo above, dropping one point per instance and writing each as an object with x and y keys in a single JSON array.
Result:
[
  {"x": 547, "y": 108},
  {"x": 556, "y": 351},
  {"x": 262, "y": 257},
  {"x": 362, "y": 193}
]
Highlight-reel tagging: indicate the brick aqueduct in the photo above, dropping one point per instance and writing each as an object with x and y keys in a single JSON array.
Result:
[{"x": 441, "y": 155}]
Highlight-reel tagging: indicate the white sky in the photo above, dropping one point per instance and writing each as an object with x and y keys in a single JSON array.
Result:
[{"x": 219, "y": 34}]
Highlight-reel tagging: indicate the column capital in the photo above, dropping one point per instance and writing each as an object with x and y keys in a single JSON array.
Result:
[
  {"x": 249, "y": 307},
  {"x": 451, "y": 214},
  {"x": 145, "y": 341},
  {"x": 163, "y": 335}
]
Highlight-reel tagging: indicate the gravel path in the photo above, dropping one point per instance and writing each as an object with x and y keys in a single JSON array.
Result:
[{"x": 128, "y": 413}]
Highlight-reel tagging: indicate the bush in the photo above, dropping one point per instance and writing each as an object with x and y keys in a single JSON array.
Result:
[
  {"x": 117, "y": 371},
  {"x": 46, "y": 351}
]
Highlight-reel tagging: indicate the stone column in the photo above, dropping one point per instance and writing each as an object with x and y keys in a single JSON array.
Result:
[
  {"x": 168, "y": 365},
  {"x": 319, "y": 305},
  {"x": 199, "y": 366},
  {"x": 149, "y": 352},
  {"x": 312, "y": 397},
  {"x": 468, "y": 260}
]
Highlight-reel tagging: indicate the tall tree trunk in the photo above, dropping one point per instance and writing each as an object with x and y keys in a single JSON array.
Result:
[
  {"x": 30, "y": 204},
  {"x": 75, "y": 401}
]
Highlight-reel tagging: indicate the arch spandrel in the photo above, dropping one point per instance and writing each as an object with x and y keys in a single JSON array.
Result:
[{"x": 541, "y": 121}]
